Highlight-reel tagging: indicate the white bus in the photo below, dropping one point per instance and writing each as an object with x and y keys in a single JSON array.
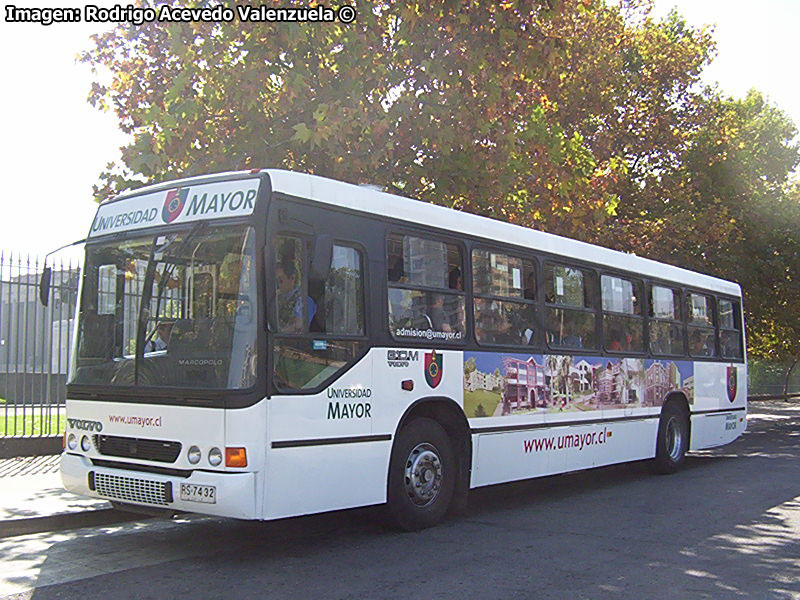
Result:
[{"x": 267, "y": 344}]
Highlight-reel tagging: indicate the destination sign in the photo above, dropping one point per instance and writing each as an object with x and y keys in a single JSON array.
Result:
[{"x": 181, "y": 204}]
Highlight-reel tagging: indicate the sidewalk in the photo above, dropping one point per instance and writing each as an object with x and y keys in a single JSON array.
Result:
[{"x": 33, "y": 500}]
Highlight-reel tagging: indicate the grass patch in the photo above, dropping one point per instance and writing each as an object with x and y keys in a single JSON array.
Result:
[
  {"x": 30, "y": 424},
  {"x": 489, "y": 401}
]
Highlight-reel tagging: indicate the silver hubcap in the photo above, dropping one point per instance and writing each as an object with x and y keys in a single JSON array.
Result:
[
  {"x": 674, "y": 439},
  {"x": 423, "y": 474}
]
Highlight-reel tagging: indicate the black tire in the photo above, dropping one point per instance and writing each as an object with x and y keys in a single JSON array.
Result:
[
  {"x": 673, "y": 440},
  {"x": 422, "y": 475}
]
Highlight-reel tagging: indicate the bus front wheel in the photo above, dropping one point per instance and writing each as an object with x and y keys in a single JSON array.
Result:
[
  {"x": 673, "y": 440},
  {"x": 422, "y": 475}
]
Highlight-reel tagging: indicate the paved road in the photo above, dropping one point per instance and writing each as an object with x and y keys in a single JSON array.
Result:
[{"x": 725, "y": 527}]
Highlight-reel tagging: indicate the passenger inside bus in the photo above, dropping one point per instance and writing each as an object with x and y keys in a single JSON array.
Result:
[
  {"x": 454, "y": 305},
  {"x": 699, "y": 344},
  {"x": 493, "y": 325},
  {"x": 291, "y": 302},
  {"x": 614, "y": 340},
  {"x": 436, "y": 317},
  {"x": 530, "y": 286},
  {"x": 160, "y": 340}
]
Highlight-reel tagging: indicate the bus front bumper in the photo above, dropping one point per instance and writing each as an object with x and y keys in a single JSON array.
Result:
[{"x": 212, "y": 493}]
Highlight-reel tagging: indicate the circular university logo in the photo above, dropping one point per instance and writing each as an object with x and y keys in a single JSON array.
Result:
[
  {"x": 433, "y": 369},
  {"x": 173, "y": 204}
]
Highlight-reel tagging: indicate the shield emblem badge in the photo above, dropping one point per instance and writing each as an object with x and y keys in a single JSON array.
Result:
[
  {"x": 732, "y": 379},
  {"x": 173, "y": 204},
  {"x": 434, "y": 365}
]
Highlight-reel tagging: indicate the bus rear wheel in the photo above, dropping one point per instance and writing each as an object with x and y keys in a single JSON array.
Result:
[
  {"x": 673, "y": 440},
  {"x": 422, "y": 475}
]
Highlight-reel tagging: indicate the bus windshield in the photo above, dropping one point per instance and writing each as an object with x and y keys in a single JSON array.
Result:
[{"x": 169, "y": 310}]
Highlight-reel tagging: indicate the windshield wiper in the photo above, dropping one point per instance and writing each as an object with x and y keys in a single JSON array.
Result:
[{"x": 147, "y": 289}]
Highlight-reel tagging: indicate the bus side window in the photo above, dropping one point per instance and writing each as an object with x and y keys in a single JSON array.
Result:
[
  {"x": 504, "y": 288},
  {"x": 623, "y": 325},
  {"x": 701, "y": 325},
  {"x": 294, "y": 306},
  {"x": 666, "y": 327},
  {"x": 344, "y": 294},
  {"x": 730, "y": 334},
  {"x": 425, "y": 296},
  {"x": 320, "y": 328},
  {"x": 569, "y": 295}
]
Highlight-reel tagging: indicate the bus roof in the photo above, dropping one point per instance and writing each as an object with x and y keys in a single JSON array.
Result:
[
  {"x": 364, "y": 199},
  {"x": 368, "y": 200}
]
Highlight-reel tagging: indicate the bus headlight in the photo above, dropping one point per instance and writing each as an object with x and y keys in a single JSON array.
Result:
[
  {"x": 72, "y": 441},
  {"x": 85, "y": 444},
  {"x": 215, "y": 457},
  {"x": 194, "y": 455}
]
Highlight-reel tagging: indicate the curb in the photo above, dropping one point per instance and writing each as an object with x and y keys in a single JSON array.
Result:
[
  {"x": 14, "y": 446},
  {"x": 65, "y": 521}
]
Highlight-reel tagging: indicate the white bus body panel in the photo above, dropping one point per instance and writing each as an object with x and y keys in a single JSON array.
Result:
[
  {"x": 709, "y": 428},
  {"x": 238, "y": 491},
  {"x": 502, "y": 457},
  {"x": 365, "y": 402},
  {"x": 306, "y": 480}
]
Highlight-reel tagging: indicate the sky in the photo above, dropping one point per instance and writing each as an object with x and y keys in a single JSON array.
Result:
[{"x": 55, "y": 144}]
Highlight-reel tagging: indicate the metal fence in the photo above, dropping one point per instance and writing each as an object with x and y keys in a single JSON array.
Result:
[
  {"x": 35, "y": 345},
  {"x": 769, "y": 378}
]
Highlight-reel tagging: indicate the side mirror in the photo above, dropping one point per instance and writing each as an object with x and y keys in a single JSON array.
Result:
[
  {"x": 321, "y": 259},
  {"x": 47, "y": 274},
  {"x": 44, "y": 286}
]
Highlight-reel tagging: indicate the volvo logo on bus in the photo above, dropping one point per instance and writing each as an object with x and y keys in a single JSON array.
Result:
[
  {"x": 85, "y": 425},
  {"x": 173, "y": 204}
]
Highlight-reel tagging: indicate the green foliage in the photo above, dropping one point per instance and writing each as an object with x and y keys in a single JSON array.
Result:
[
  {"x": 727, "y": 207},
  {"x": 769, "y": 377},
  {"x": 448, "y": 105}
]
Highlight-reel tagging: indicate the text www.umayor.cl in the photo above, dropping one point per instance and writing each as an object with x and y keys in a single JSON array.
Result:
[
  {"x": 140, "y": 421},
  {"x": 578, "y": 441}
]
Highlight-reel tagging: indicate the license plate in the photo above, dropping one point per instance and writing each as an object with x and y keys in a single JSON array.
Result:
[{"x": 199, "y": 493}]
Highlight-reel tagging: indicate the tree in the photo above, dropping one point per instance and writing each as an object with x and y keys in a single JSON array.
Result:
[
  {"x": 581, "y": 117},
  {"x": 735, "y": 214},
  {"x": 503, "y": 109}
]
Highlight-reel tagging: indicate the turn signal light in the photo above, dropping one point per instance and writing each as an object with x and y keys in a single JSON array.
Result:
[
  {"x": 235, "y": 457},
  {"x": 407, "y": 385}
]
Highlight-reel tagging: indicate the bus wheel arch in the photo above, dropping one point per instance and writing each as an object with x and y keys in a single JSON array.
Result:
[
  {"x": 447, "y": 415},
  {"x": 674, "y": 434}
]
